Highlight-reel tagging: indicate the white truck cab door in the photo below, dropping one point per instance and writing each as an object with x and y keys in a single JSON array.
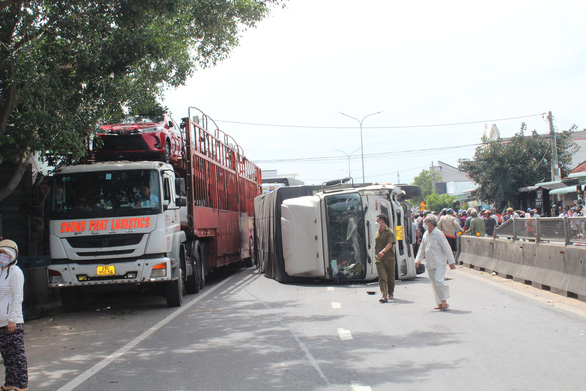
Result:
[
  {"x": 394, "y": 210},
  {"x": 301, "y": 228},
  {"x": 374, "y": 205}
]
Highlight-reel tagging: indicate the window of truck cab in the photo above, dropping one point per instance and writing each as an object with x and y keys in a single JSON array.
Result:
[
  {"x": 107, "y": 193},
  {"x": 346, "y": 233}
]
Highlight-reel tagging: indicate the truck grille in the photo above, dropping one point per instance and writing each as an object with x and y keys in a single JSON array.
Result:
[
  {"x": 104, "y": 253},
  {"x": 124, "y": 143},
  {"x": 104, "y": 241}
]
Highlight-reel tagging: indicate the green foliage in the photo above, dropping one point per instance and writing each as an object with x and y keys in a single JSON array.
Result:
[
  {"x": 437, "y": 202},
  {"x": 500, "y": 169},
  {"x": 424, "y": 180},
  {"x": 66, "y": 66}
]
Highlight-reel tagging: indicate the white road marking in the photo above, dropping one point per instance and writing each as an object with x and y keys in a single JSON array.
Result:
[
  {"x": 124, "y": 349},
  {"x": 336, "y": 305},
  {"x": 358, "y": 387},
  {"x": 331, "y": 288},
  {"x": 345, "y": 335}
]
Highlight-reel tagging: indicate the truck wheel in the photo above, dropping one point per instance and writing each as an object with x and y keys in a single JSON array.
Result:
[
  {"x": 202, "y": 274},
  {"x": 71, "y": 299},
  {"x": 411, "y": 191},
  {"x": 174, "y": 291},
  {"x": 193, "y": 282}
]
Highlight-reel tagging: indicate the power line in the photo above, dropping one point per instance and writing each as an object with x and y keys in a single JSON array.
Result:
[
  {"x": 370, "y": 155},
  {"x": 380, "y": 127},
  {"x": 373, "y": 176}
]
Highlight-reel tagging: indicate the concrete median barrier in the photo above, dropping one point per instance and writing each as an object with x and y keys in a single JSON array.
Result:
[{"x": 554, "y": 267}]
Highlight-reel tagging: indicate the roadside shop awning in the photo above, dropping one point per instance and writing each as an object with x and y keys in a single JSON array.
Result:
[
  {"x": 580, "y": 176},
  {"x": 551, "y": 185},
  {"x": 564, "y": 190}
]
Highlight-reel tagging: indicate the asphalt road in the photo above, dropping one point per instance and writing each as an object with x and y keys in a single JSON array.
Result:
[{"x": 248, "y": 332}]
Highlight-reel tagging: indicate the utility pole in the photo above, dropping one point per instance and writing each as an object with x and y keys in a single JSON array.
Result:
[
  {"x": 361, "y": 144},
  {"x": 348, "y": 156},
  {"x": 432, "y": 177},
  {"x": 555, "y": 167}
]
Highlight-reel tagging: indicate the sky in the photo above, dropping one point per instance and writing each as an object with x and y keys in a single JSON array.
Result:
[{"x": 437, "y": 73}]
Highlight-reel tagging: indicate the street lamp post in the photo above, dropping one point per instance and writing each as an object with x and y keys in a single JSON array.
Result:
[
  {"x": 348, "y": 156},
  {"x": 361, "y": 143}
]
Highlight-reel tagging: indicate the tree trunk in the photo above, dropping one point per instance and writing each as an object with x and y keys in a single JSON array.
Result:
[{"x": 5, "y": 191}]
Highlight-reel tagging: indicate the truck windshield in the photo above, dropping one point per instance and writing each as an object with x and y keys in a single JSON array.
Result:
[
  {"x": 347, "y": 248},
  {"x": 105, "y": 194}
]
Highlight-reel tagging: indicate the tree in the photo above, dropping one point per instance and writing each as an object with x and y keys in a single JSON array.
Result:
[
  {"x": 501, "y": 168},
  {"x": 67, "y": 65},
  {"x": 437, "y": 202},
  {"x": 424, "y": 180}
]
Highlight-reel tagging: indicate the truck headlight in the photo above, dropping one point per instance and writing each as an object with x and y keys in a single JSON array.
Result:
[
  {"x": 55, "y": 277},
  {"x": 159, "y": 270}
]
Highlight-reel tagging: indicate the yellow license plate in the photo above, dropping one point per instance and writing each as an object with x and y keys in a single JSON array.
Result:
[
  {"x": 107, "y": 270},
  {"x": 398, "y": 232}
]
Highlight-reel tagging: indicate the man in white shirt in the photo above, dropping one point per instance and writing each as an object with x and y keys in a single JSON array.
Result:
[{"x": 436, "y": 250}]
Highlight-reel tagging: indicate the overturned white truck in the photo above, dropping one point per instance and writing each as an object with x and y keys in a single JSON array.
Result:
[{"x": 304, "y": 233}]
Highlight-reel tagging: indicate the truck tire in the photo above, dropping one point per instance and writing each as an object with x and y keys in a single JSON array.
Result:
[
  {"x": 193, "y": 281},
  {"x": 411, "y": 191},
  {"x": 71, "y": 299},
  {"x": 174, "y": 291},
  {"x": 202, "y": 273}
]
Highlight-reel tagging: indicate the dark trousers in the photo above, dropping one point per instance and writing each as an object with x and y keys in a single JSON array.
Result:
[
  {"x": 386, "y": 276},
  {"x": 12, "y": 350}
]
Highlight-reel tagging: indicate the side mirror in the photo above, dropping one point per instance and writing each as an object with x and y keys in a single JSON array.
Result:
[
  {"x": 181, "y": 201},
  {"x": 180, "y": 186}
]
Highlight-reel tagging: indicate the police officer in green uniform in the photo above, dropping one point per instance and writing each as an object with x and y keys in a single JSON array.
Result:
[{"x": 385, "y": 258}]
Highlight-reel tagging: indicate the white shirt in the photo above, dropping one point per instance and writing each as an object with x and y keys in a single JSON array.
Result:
[
  {"x": 11, "y": 296},
  {"x": 435, "y": 249}
]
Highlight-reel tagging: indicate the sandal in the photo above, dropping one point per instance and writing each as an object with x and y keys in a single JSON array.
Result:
[{"x": 383, "y": 301}]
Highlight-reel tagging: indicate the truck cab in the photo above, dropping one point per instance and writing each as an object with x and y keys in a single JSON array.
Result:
[
  {"x": 330, "y": 235},
  {"x": 114, "y": 224}
]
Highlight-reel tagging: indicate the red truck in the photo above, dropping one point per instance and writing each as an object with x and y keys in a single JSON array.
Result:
[{"x": 127, "y": 224}]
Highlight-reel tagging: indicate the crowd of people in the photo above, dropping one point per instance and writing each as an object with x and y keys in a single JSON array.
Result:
[
  {"x": 574, "y": 210},
  {"x": 483, "y": 223},
  {"x": 452, "y": 224}
]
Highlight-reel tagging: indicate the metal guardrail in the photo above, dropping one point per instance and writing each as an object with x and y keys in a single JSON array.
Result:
[{"x": 569, "y": 230}]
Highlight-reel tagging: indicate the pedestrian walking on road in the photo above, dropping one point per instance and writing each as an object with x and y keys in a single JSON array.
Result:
[
  {"x": 385, "y": 258},
  {"x": 436, "y": 251},
  {"x": 11, "y": 319}
]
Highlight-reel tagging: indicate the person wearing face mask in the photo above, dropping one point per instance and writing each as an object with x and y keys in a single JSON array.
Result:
[
  {"x": 436, "y": 250},
  {"x": 11, "y": 319},
  {"x": 385, "y": 258}
]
